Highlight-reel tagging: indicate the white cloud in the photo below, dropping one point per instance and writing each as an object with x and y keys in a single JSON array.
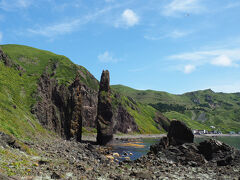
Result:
[
  {"x": 56, "y": 29},
  {"x": 177, "y": 34},
  {"x": 222, "y": 60},
  {"x": 189, "y": 68},
  {"x": 219, "y": 57},
  {"x": 128, "y": 19},
  {"x": 9, "y": 5},
  {"x": 107, "y": 57},
  {"x": 225, "y": 57},
  {"x": 1, "y": 36},
  {"x": 182, "y": 6}
]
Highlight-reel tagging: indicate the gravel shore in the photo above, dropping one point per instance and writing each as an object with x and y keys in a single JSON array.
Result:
[{"x": 60, "y": 159}]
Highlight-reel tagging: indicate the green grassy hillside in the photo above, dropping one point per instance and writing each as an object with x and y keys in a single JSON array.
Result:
[
  {"x": 143, "y": 114},
  {"x": 199, "y": 109},
  {"x": 17, "y": 92}
]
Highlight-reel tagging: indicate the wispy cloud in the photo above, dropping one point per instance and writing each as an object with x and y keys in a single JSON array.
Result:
[
  {"x": 128, "y": 19},
  {"x": 107, "y": 57},
  {"x": 109, "y": 1},
  {"x": 56, "y": 29},
  {"x": 1, "y": 36},
  {"x": 138, "y": 69},
  {"x": 175, "y": 34},
  {"x": 71, "y": 25},
  {"x": 233, "y": 5},
  {"x": 182, "y": 6},
  {"x": 219, "y": 57},
  {"x": 9, "y": 5},
  {"x": 227, "y": 87}
]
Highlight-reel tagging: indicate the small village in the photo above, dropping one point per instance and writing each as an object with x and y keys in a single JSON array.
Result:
[{"x": 201, "y": 132}]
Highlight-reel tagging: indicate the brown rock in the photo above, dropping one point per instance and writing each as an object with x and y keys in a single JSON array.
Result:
[{"x": 104, "y": 112}]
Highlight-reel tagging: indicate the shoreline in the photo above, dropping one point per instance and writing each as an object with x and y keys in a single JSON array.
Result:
[{"x": 92, "y": 137}]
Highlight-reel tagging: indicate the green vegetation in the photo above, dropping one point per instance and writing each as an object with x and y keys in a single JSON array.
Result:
[
  {"x": 17, "y": 91},
  {"x": 199, "y": 109},
  {"x": 18, "y": 88},
  {"x": 143, "y": 114}
]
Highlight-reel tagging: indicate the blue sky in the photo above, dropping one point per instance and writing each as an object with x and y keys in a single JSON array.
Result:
[{"x": 167, "y": 45}]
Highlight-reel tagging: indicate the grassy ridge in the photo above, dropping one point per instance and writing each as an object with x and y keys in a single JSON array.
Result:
[{"x": 199, "y": 109}]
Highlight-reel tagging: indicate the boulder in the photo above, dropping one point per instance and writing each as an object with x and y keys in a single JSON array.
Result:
[
  {"x": 104, "y": 111},
  {"x": 179, "y": 133},
  {"x": 6, "y": 139},
  {"x": 216, "y": 151}
]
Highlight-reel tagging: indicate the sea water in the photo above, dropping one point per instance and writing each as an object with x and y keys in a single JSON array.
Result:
[{"x": 139, "y": 147}]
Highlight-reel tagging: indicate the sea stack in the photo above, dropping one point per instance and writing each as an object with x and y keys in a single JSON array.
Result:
[
  {"x": 76, "y": 121},
  {"x": 104, "y": 111}
]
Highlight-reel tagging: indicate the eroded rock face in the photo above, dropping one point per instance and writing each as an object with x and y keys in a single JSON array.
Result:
[
  {"x": 124, "y": 122},
  {"x": 9, "y": 63},
  {"x": 60, "y": 108},
  {"x": 179, "y": 133},
  {"x": 104, "y": 111},
  {"x": 162, "y": 121},
  {"x": 5, "y": 59},
  {"x": 214, "y": 150}
]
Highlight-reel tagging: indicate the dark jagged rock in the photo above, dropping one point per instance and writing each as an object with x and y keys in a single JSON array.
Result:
[
  {"x": 59, "y": 107},
  {"x": 209, "y": 151},
  {"x": 179, "y": 133},
  {"x": 123, "y": 121},
  {"x": 104, "y": 112},
  {"x": 217, "y": 151},
  {"x": 5, "y": 59}
]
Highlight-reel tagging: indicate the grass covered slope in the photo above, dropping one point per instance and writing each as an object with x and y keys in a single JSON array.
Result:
[
  {"x": 18, "y": 91},
  {"x": 15, "y": 116},
  {"x": 199, "y": 109},
  {"x": 143, "y": 114}
]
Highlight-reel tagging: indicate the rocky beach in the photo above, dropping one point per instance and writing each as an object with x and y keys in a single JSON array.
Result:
[{"x": 171, "y": 158}]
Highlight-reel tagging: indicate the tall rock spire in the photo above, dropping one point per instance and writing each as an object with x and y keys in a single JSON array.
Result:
[
  {"x": 104, "y": 111},
  {"x": 76, "y": 121}
]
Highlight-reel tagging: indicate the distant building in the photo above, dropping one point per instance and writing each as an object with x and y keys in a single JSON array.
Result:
[
  {"x": 213, "y": 127},
  {"x": 232, "y": 132}
]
